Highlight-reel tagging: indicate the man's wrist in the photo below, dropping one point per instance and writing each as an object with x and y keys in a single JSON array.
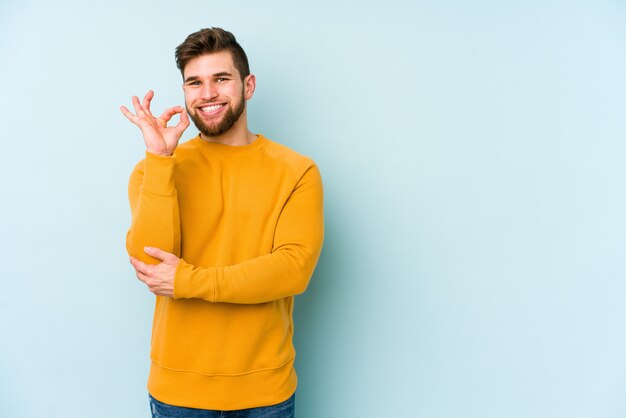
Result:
[{"x": 160, "y": 153}]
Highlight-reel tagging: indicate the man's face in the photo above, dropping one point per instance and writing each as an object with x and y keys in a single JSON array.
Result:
[{"x": 215, "y": 95}]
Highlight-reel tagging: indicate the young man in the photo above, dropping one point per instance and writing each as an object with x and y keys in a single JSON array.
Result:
[{"x": 226, "y": 228}]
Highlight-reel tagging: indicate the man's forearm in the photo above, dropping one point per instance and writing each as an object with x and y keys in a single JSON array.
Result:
[
  {"x": 270, "y": 277},
  {"x": 154, "y": 208}
]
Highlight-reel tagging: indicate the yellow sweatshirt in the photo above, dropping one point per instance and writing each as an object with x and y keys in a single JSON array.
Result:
[{"x": 247, "y": 223}]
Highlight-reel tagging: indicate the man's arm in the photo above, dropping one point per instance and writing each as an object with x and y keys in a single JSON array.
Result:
[
  {"x": 155, "y": 220},
  {"x": 151, "y": 190},
  {"x": 286, "y": 271}
]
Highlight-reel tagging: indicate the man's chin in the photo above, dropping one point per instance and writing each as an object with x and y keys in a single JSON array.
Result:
[
  {"x": 206, "y": 130},
  {"x": 210, "y": 133}
]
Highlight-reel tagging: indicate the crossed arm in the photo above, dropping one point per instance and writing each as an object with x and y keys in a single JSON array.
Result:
[{"x": 285, "y": 271}]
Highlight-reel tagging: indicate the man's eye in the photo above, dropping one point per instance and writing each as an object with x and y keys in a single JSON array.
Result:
[
  {"x": 220, "y": 79},
  {"x": 193, "y": 83}
]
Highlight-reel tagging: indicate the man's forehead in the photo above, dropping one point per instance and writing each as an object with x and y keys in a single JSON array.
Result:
[{"x": 217, "y": 63}]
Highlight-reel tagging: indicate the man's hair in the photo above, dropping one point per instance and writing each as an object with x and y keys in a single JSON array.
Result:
[{"x": 208, "y": 41}]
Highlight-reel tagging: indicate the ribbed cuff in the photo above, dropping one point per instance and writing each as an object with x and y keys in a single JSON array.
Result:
[
  {"x": 158, "y": 177},
  {"x": 194, "y": 282}
]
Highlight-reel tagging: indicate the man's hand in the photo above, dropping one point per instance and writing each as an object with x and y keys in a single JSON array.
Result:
[
  {"x": 160, "y": 139},
  {"x": 158, "y": 277}
]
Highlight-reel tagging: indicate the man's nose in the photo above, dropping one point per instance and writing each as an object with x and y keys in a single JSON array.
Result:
[{"x": 209, "y": 91}]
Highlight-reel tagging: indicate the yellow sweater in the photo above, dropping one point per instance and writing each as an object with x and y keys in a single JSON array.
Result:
[{"x": 247, "y": 222}]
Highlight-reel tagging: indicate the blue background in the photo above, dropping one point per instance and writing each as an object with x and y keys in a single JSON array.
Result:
[{"x": 473, "y": 159}]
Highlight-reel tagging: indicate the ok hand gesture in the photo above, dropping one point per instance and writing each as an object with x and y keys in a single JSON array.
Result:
[{"x": 159, "y": 138}]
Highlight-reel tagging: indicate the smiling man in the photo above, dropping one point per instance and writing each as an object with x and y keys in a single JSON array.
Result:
[{"x": 226, "y": 228}]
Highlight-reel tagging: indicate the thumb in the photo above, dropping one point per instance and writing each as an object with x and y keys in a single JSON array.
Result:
[{"x": 160, "y": 254}]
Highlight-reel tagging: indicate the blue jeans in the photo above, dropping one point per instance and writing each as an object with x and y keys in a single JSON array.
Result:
[{"x": 282, "y": 410}]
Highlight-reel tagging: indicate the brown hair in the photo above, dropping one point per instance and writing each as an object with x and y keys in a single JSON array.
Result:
[{"x": 208, "y": 41}]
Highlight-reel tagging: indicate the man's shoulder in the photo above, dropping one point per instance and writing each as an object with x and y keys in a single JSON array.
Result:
[{"x": 282, "y": 154}]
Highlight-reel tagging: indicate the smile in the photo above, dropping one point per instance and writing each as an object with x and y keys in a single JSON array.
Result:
[{"x": 211, "y": 109}]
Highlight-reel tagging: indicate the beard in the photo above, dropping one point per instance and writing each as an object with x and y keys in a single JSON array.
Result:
[{"x": 227, "y": 122}]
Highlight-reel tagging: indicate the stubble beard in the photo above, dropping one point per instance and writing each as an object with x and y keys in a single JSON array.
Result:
[{"x": 227, "y": 122}]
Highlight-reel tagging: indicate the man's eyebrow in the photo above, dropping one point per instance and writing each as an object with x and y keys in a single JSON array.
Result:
[{"x": 222, "y": 74}]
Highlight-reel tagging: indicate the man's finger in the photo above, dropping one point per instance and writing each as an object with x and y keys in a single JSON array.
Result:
[
  {"x": 142, "y": 277},
  {"x": 183, "y": 123},
  {"x": 160, "y": 254},
  {"x": 167, "y": 115},
  {"x": 138, "y": 110},
  {"x": 140, "y": 266},
  {"x": 146, "y": 101},
  {"x": 128, "y": 114}
]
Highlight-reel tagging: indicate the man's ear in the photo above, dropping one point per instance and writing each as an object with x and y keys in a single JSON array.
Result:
[{"x": 249, "y": 84}]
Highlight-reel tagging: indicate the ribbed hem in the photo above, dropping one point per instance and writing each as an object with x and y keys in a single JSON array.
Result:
[{"x": 226, "y": 393}]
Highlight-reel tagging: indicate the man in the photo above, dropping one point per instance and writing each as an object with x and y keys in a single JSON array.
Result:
[{"x": 226, "y": 229}]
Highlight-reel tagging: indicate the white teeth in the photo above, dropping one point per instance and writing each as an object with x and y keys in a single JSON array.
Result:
[{"x": 211, "y": 108}]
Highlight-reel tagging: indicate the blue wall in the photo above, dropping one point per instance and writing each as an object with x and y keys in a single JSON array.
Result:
[{"x": 473, "y": 156}]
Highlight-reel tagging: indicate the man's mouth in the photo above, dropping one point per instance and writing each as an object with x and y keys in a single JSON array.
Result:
[{"x": 212, "y": 109}]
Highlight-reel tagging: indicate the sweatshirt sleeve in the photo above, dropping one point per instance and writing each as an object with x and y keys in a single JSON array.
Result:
[
  {"x": 284, "y": 272},
  {"x": 154, "y": 208}
]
